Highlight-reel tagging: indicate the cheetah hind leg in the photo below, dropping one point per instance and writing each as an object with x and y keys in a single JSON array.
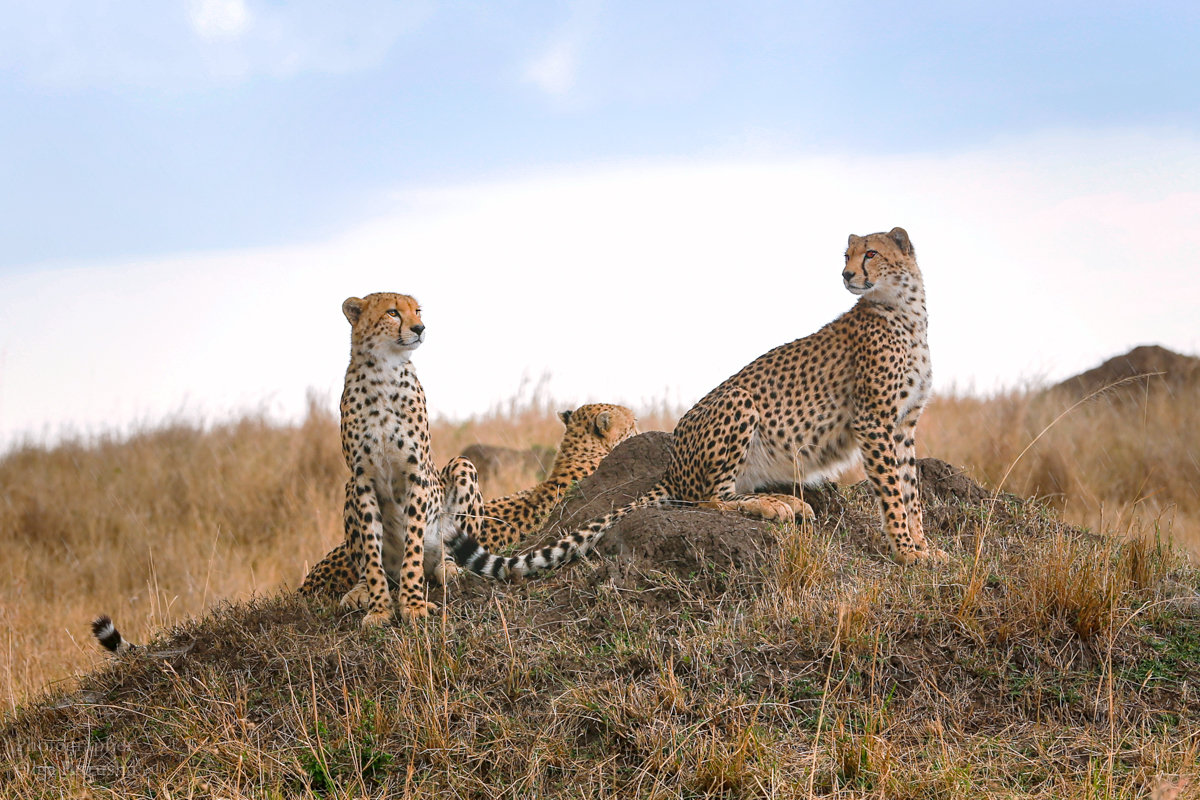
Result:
[
  {"x": 464, "y": 503},
  {"x": 771, "y": 507},
  {"x": 734, "y": 414}
]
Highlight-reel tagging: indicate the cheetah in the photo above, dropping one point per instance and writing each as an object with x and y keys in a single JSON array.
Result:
[
  {"x": 592, "y": 431},
  {"x": 802, "y": 413},
  {"x": 400, "y": 514},
  {"x": 401, "y": 518}
]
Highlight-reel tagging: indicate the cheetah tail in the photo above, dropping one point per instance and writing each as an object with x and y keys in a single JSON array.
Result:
[
  {"x": 577, "y": 544},
  {"x": 109, "y": 637},
  {"x": 475, "y": 558}
]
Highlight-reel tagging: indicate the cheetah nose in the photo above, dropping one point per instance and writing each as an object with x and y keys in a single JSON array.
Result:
[
  {"x": 418, "y": 329},
  {"x": 847, "y": 275}
]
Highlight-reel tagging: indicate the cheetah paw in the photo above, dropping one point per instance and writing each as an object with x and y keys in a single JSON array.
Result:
[
  {"x": 358, "y": 597},
  {"x": 376, "y": 619},
  {"x": 800, "y": 509},
  {"x": 417, "y": 609},
  {"x": 766, "y": 508},
  {"x": 776, "y": 510},
  {"x": 935, "y": 555},
  {"x": 446, "y": 572},
  {"x": 930, "y": 555}
]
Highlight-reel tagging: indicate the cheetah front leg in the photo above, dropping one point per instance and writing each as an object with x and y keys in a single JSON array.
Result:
[
  {"x": 905, "y": 439},
  {"x": 877, "y": 443},
  {"x": 371, "y": 589},
  {"x": 733, "y": 421},
  {"x": 417, "y": 509}
]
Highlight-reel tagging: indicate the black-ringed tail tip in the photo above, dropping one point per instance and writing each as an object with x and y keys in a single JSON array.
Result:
[{"x": 108, "y": 636}]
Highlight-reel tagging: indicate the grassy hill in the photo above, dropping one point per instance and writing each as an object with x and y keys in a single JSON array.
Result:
[
  {"x": 698, "y": 655},
  {"x": 1043, "y": 661}
]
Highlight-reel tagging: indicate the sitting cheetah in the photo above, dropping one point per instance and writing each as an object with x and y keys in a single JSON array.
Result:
[
  {"x": 398, "y": 509},
  {"x": 803, "y": 412},
  {"x": 592, "y": 431},
  {"x": 399, "y": 514}
]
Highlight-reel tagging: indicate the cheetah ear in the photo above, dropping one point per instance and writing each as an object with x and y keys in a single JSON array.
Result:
[
  {"x": 850, "y": 242},
  {"x": 352, "y": 308},
  {"x": 900, "y": 237},
  {"x": 603, "y": 423},
  {"x": 565, "y": 416}
]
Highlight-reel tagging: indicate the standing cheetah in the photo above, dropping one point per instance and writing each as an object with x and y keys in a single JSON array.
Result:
[
  {"x": 801, "y": 413},
  {"x": 592, "y": 431}
]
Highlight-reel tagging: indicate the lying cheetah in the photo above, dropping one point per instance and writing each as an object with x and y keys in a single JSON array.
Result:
[
  {"x": 592, "y": 431},
  {"x": 801, "y": 413}
]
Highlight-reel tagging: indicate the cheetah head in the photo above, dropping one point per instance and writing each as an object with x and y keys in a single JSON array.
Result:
[
  {"x": 879, "y": 263},
  {"x": 385, "y": 322},
  {"x": 600, "y": 423}
]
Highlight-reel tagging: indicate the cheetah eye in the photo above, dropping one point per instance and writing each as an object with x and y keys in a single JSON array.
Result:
[
  {"x": 393, "y": 313},
  {"x": 871, "y": 254}
]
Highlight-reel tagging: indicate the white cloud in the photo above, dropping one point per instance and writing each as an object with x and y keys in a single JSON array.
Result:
[
  {"x": 554, "y": 70},
  {"x": 634, "y": 282},
  {"x": 219, "y": 19}
]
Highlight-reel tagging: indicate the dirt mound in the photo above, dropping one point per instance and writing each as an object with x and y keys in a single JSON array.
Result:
[
  {"x": 1176, "y": 370},
  {"x": 946, "y": 483},
  {"x": 702, "y": 546}
]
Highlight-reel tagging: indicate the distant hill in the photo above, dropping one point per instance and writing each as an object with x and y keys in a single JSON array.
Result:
[{"x": 1177, "y": 370}]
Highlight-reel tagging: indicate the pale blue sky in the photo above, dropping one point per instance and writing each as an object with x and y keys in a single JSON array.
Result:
[{"x": 635, "y": 198}]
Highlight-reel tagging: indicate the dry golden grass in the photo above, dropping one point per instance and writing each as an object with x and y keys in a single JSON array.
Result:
[
  {"x": 1068, "y": 673},
  {"x": 155, "y": 529},
  {"x": 1126, "y": 460}
]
